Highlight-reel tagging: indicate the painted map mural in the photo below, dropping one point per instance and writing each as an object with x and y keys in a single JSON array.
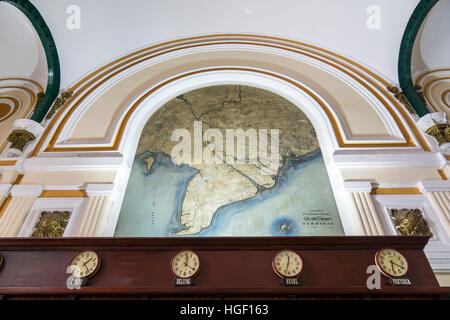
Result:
[{"x": 167, "y": 199}]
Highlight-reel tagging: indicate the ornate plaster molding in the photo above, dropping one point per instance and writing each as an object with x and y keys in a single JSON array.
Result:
[
  {"x": 24, "y": 131},
  {"x": 436, "y": 125}
]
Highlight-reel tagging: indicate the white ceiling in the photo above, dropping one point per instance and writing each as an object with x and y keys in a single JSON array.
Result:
[
  {"x": 111, "y": 28},
  {"x": 432, "y": 47},
  {"x": 21, "y": 53}
]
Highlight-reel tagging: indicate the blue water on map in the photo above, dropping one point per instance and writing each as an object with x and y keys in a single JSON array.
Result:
[{"x": 300, "y": 204}]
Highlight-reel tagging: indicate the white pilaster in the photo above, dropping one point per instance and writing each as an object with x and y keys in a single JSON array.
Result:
[
  {"x": 4, "y": 192},
  {"x": 97, "y": 210},
  {"x": 13, "y": 217},
  {"x": 438, "y": 193},
  {"x": 367, "y": 214}
]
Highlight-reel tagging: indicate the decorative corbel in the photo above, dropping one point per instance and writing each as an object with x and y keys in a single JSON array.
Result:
[
  {"x": 436, "y": 125},
  {"x": 19, "y": 138},
  {"x": 24, "y": 131}
]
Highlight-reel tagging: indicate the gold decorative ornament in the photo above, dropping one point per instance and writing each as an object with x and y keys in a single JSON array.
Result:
[
  {"x": 401, "y": 97},
  {"x": 59, "y": 102},
  {"x": 51, "y": 224},
  {"x": 441, "y": 132},
  {"x": 410, "y": 222},
  {"x": 39, "y": 97},
  {"x": 19, "y": 138},
  {"x": 420, "y": 93}
]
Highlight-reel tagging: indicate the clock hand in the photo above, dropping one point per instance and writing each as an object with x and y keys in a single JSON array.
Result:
[
  {"x": 398, "y": 265},
  {"x": 189, "y": 266},
  {"x": 392, "y": 265},
  {"x": 287, "y": 265},
  {"x": 84, "y": 264}
]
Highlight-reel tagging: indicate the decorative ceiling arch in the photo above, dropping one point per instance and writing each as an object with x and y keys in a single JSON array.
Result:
[
  {"x": 435, "y": 86},
  {"x": 90, "y": 87},
  {"x": 21, "y": 95},
  {"x": 51, "y": 55}
]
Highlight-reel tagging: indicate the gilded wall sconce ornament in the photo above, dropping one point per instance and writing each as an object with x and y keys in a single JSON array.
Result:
[
  {"x": 24, "y": 131},
  {"x": 441, "y": 132},
  {"x": 436, "y": 125},
  {"x": 410, "y": 222},
  {"x": 51, "y": 224},
  {"x": 59, "y": 102},
  {"x": 19, "y": 138},
  {"x": 401, "y": 97}
]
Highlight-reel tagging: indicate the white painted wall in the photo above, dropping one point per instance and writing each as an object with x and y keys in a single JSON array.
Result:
[
  {"x": 21, "y": 51},
  {"x": 111, "y": 28}
]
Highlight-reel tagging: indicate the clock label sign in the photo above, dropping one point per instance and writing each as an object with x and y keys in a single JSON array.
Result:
[
  {"x": 75, "y": 282},
  {"x": 399, "y": 282},
  {"x": 290, "y": 282},
  {"x": 178, "y": 282}
]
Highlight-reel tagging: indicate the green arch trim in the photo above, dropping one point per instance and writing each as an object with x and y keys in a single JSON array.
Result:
[
  {"x": 405, "y": 55},
  {"x": 51, "y": 54}
]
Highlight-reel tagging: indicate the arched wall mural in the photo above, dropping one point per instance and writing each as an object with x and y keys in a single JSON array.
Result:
[
  {"x": 280, "y": 188},
  {"x": 334, "y": 92},
  {"x": 79, "y": 156}
]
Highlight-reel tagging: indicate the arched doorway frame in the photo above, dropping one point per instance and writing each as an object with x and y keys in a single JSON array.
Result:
[{"x": 307, "y": 100}]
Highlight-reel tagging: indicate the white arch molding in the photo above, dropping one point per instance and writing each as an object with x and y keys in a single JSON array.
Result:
[
  {"x": 395, "y": 135},
  {"x": 290, "y": 92}
]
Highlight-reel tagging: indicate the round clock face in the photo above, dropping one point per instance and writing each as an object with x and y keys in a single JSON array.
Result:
[
  {"x": 87, "y": 262},
  {"x": 287, "y": 264},
  {"x": 391, "y": 263},
  {"x": 185, "y": 264}
]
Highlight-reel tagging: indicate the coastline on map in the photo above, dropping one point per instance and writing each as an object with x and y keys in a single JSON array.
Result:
[{"x": 163, "y": 188}]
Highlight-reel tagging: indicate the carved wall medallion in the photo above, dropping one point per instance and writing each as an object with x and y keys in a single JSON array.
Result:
[
  {"x": 51, "y": 224},
  {"x": 410, "y": 222}
]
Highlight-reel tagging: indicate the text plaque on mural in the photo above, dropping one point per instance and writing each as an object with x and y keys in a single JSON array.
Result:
[{"x": 228, "y": 160}]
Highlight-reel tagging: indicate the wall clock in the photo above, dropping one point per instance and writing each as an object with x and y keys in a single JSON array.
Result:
[
  {"x": 287, "y": 264},
  {"x": 87, "y": 263},
  {"x": 185, "y": 264},
  {"x": 391, "y": 263}
]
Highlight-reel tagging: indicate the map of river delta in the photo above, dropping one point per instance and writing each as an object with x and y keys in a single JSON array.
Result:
[{"x": 285, "y": 192}]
